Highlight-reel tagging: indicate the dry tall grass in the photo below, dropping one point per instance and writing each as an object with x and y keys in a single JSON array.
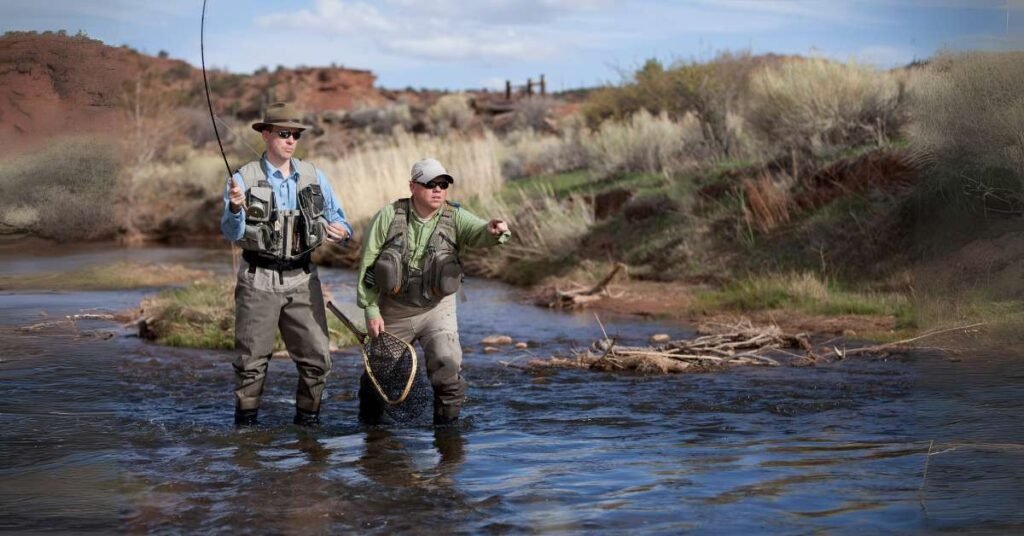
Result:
[
  {"x": 367, "y": 179},
  {"x": 815, "y": 105},
  {"x": 544, "y": 226},
  {"x": 768, "y": 201}
]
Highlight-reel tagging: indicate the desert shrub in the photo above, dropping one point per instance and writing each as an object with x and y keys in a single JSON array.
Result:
[
  {"x": 815, "y": 105},
  {"x": 382, "y": 120},
  {"x": 63, "y": 192},
  {"x": 968, "y": 113},
  {"x": 532, "y": 113},
  {"x": 527, "y": 153},
  {"x": 710, "y": 92},
  {"x": 645, "y": 144},
  {"x": 449, "y": 113}
]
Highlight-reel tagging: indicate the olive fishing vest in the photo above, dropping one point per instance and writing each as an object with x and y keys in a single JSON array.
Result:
[
  {"x": 393, "y": 274},
  {"x": 282, "y": 235}
]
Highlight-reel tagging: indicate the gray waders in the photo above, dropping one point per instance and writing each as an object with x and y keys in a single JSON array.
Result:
[{"x": 290, "y": 300}]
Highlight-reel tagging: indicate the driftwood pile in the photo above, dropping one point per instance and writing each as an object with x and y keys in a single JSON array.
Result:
[
  {"x": 720, "y": 346},
  {"x": 577, "y": 296},
  {"x": 69, "y": 324}
]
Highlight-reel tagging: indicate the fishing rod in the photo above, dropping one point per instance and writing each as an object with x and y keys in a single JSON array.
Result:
[
  {"x": 213, "y": 120},
  {"x": 206, "y": 85}
]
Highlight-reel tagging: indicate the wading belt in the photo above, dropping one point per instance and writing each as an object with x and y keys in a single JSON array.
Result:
[{"x": 256, "y": 261}]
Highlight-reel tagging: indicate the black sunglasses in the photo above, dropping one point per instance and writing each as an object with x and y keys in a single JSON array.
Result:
[
  {"x": 285, "y": 134},
  {"x": 436, "y": 184}
]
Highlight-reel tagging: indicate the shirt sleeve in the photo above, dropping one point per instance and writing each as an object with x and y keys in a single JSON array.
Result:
[
  {"x": 472, "y": 231},
  {"x": 332, "y": 207},
  {"x": 233, "y": 225},
  {"x": 366, "y": 297}
]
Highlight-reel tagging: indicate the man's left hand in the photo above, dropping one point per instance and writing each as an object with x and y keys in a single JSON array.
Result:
[
  {"x": 497, "y": 227},
  {"x": 336, "y": 233}
]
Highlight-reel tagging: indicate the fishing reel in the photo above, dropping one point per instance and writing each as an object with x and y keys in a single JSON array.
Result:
[{"x": 260, "y": 203}]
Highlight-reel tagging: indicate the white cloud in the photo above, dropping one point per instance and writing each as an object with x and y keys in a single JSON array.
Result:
[
  {"x": 331, "y": 16},
  {"x": 461, "y": 48},
  {"x": 448, "y": 30}
]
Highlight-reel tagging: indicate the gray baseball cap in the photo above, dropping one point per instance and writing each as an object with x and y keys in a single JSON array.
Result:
[{"x": 427, "y": 170}]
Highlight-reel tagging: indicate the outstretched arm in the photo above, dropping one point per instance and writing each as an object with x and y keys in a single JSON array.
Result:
[{"x": 477, "y": 232}]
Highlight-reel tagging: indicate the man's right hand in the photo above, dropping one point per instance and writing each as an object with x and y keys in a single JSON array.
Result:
[
  {"x": 236, "y": 197},
  {"x": 375, "y": 326}
]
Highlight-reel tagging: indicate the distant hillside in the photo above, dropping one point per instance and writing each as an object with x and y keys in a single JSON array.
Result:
[{"x": 52, "y": 84}]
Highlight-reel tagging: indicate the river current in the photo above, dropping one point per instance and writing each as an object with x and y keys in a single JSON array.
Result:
[{"x": 101, "y": 431}]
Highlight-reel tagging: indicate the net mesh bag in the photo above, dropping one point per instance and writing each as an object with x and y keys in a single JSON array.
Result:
[{"x": 398, "y": 384}]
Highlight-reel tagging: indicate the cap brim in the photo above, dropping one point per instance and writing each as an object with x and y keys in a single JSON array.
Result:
[{"x": 425, "y": 180}]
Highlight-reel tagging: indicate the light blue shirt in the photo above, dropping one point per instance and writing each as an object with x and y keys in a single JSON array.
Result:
[{"x": 285, "y": 196}]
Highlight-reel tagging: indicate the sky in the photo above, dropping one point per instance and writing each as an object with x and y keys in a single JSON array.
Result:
[{"x": 469, "y": 44}]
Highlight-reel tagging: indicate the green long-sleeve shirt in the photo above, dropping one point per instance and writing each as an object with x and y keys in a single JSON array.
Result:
[{"x": 470, "y": 231}]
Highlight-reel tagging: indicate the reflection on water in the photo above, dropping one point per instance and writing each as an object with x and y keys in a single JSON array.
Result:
[{"x": 122, "y": 435}]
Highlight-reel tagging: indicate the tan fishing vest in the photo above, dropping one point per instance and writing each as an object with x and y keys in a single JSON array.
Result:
[{"x": 282, "y": 235}]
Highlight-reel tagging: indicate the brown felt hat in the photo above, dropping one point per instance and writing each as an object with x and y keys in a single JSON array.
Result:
[{"x": 280, "y": 114}]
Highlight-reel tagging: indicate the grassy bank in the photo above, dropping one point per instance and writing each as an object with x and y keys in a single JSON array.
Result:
[
  {"x": 202, "y": 315},
  {"x": 122, "y": 275}
]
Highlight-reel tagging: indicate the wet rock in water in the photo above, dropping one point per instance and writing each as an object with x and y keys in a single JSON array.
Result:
[
  {"x": 468, "y": 349},
  {"x": 496, "y": 340},
  {"x": 521, "y": 345},
  {"x": 491, "y": 350},
  {"x": 660, "y": 337}
]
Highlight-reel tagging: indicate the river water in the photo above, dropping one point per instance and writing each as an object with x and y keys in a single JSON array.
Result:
[{"x": 110, "y": 433}]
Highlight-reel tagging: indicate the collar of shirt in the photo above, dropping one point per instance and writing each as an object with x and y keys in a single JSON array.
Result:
[
  {"x": 273, "y": 172},
  {"x": 284, "y": 187}
]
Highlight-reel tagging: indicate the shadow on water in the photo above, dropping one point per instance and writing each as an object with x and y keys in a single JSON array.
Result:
[{"x": 120, "y": 434}]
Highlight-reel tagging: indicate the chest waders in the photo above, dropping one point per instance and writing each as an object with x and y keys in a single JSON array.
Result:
[
  {"x": 281, "y": 291},
  {"x": 281, "y": 239},
  {"x": 393, "y": 272}
]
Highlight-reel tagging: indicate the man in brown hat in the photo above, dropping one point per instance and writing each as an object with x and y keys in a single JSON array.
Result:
[
  {"x": 278, "y": 209},
  {"x": 408, "y": 275}
]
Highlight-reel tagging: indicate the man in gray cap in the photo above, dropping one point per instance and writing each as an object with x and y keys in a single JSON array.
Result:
[
  {"x": 278, "y": 209},
  {"x": 408, "y": 275}
]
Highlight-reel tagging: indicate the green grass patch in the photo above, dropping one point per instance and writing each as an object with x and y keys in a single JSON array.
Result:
[
  {"x": 563, "y": 185},
  {"x": 559, "y": 185},
  {"x": 120, "y": 275},
  {"x": 202, "y": 315},
  {"x": 805, "y": 293}
]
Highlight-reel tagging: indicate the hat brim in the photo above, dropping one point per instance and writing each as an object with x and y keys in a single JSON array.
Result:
[
  {"x": 258, "y": 127},
  {"x": 425, "y": 180}
]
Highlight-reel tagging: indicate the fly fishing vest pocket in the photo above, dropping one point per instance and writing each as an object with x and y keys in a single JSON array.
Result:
[
  {"x": 442, "y": 270},
  {"x": 388, "y": 272}
]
